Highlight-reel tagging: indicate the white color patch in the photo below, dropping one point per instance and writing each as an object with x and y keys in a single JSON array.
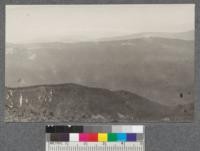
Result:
[
  {"x": 74, "y": 137},
  {"x": 128, "y": 128}
]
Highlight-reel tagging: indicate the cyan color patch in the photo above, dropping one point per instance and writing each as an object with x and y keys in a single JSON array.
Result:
[{"x": 121, "y": 137}]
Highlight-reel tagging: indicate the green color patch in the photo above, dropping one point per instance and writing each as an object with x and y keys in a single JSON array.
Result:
[{"x": 112, "y": 137}]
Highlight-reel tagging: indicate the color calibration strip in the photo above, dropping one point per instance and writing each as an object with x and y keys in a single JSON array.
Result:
[
  {"x": 100, "y": 138},
  {"x": 94, "y": 137},
  {"x": 102, "y": 129}
]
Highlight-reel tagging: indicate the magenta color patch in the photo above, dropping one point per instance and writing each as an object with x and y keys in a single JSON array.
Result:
[{"x": 83, "y": 137}]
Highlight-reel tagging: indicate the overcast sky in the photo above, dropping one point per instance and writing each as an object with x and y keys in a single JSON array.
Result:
[{"x": 43, "y": 23}]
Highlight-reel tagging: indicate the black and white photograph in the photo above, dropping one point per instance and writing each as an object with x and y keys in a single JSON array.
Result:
[{"x": 99, "y": 63}]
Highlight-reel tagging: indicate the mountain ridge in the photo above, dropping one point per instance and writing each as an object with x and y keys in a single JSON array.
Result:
[
  {"x": 187, "y": 35},
  {"x": 77, "y": 103}
]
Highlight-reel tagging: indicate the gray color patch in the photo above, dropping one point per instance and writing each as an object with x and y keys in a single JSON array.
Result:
[{"x": 140, "y": 137}]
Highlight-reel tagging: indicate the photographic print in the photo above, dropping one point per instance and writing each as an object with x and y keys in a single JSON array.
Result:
[{"x": 99, "y": 63}]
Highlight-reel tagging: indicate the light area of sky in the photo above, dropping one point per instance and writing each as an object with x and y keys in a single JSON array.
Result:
[{"x": 47, "y": 23}]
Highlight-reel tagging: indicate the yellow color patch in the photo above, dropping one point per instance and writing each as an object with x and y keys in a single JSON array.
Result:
[{"x": 102, "y": 137}]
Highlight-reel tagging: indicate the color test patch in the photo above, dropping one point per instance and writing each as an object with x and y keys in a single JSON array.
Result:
[
  {"x": 127, "y": 129},
  {"x": 121, "y": 137},
  {"x": 90, "y": 138},
  {"x": 76, "y": 134},
  {"x": 96, "y": 129},
  {"x": 74, "y": 137},
  {"x": 112, "y": 137},
  {"x": 83, "y": 137},
  {"x": 131, "y": 137},
  {"x": 64, "y": 129},
  {"x": 59, "y": 137},
  {"x": 102, "y": 137},
  {"x": 93, "y": 137}
]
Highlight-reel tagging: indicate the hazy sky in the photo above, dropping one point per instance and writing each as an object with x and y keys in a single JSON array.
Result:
[{"x": 43, "y": 23}]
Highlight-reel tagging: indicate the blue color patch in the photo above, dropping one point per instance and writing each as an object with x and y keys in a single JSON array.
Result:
[{"x": 131, "y": 137}]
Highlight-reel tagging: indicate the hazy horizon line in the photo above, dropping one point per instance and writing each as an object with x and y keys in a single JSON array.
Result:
[{"x": 96, "y": 39}]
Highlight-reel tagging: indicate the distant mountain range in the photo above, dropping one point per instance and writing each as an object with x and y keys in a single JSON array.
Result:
[
  {"x": 152, "y": 67},
  {"x": 76, "y": 103},
  {"x": 189, "y": 35},
  {"x": 140, "y": 77}
]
